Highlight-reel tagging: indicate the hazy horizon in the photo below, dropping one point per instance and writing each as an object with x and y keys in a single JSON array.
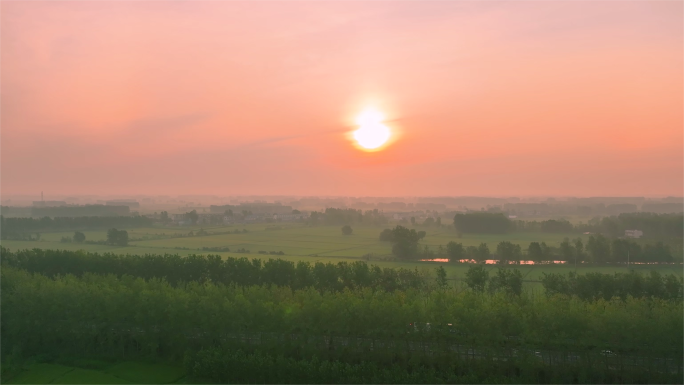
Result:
[{"x": 507, "y": 99}]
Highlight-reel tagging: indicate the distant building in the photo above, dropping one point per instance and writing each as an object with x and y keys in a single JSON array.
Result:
[
  {"x": 80, "y": 211},
  {"x": 634, "y": 233},
  {"x": 254, "y": 208},
  {"x": 49, "y": 203},
  {"x": 288, "y": 217},
  {"x": 122, "y": 202},
  {"x": 512, "y": 216}
]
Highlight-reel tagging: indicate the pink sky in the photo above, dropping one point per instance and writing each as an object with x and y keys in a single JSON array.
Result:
[{"x": 228, "y": 98}]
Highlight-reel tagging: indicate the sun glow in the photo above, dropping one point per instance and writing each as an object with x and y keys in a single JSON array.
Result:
[{"x": 372, "y": 134}]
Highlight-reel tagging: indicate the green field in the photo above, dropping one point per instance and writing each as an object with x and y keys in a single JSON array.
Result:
[
  {"x": 294, "y": 240},
  {"x": 314, "y": 244},
  {"x": 82, "y": 372}
]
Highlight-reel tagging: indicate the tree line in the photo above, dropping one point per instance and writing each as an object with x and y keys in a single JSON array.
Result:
[
  {"x": 653, "y": 225},
  {"x": 223, "y": 366},
  {"x": 105, "y": 314},
  {"x": 598, "y": 250},
  {"x": 334, "y": 216},
  {"x": 177, "y": 270},
  {"x": 588, "y": 287},
  {"x": 13, "y": 228},
  {"x": 212, "y": 268},
  {"x": 593, "y": 286}
]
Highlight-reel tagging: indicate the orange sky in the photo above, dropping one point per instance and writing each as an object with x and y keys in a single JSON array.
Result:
[{"x": 228, "y": 98}]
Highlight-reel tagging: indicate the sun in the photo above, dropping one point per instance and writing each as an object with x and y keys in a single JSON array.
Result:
[{"x": 372, "y": 134}]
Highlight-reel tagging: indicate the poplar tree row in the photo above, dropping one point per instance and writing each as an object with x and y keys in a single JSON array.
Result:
[
  {"x": 212, "y": 268},
  {"x": 101, "y": 314}
]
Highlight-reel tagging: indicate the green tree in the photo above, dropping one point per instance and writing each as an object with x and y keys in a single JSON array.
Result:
[
  {"x": 567, "y": 251},
  {"x": 347, "y": 230},
  {"x": 483, "y": 253},
  {"x": 79, "y": 237},
  {"x": 405, "y": 242},
  {"x": 441, "y": 278},
  {"x": 192, "y": 216},
  {"x": 624, "y": 250},
  {"x": 534, "y": 252},
  {"x": 477, "y": 277},
  {"x": 164, "y": 216},
  {"x": 455, "y": 251},
  {"x": 386, "y": 235},
  {"x": 507, "y": 251},
  {"x": 509, "y": 281},
  {"x": 117, "y": 237},
  {"x": 599, "y": 248},
  {"x": 579, "y": 249}
]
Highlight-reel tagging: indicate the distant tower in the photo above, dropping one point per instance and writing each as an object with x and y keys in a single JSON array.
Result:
[{"x": 41, "y": 197}]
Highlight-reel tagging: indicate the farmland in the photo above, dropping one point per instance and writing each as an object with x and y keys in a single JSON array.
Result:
[
  {"x": 313, "y": 244},
  {"x": 268, "y": 317}
]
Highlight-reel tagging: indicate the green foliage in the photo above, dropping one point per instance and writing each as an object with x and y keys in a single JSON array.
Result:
[
  {"x": 117, "y": 237},
  {"x": 131, "y": 317},
  {"x": 40, "y": 373},
  {"x": 441, "y": 278},
  {"x": 405, "y": 242},
  {"x": 146, "y": 373},
  {"x": 222, "y": 366},
  {"x": 455, "y": 251},
  {"x": 342, "y": 216},
  {"x": 79, "y": 237},
  {"x": 347, "y": 230},
  {"x": 508, "y": 252},
  {"x": 241, "y": 271},
  {"x": 135, "y": 318},
  {"x": 482, "y": 254},
  {"x": 23, "y": 228},
  {"x": 653, "y": 225},
  {"x": 387, "y": 235},
  {"x": 477, "y": 277},
  {"x": 88, "y": 376},
  {"x": 598, "y": 247},
  {"x": 567, "y": 251},
  {"x": 534, "y": 252},
  {"x": 556, "y": 226},
  {"x": 593, "y": 286},
  {"x": 192, "y": 216},
  {"x": 333, "y": 216},
  {"x": 508, "y": 281}
]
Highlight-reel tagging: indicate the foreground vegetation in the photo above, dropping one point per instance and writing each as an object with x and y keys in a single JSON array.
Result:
[
  {"x": 240, "y": 332},
  {"x": 339, "y": 304}
]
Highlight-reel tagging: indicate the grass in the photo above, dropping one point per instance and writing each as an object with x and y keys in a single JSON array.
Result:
[
  {"x": 143, "y": 373},
  {"x": 84, "y": 372},
  {"x": 316, "y": 244},
  {"x": 293, "y": 239},
  {"x": 40, "y": 374},
  {"x": 88, "y": 376}
]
